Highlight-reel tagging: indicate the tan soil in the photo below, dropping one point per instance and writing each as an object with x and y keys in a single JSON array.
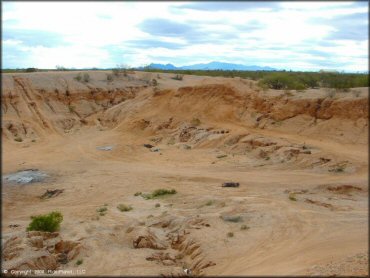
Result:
[{"x": 279, "y": 146}]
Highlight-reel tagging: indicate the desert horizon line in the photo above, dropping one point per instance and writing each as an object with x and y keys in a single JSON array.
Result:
[{"x": 186, "y": 67}]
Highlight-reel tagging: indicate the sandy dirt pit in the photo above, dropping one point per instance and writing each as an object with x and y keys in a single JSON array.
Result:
[{"x": 301, "y": 159}]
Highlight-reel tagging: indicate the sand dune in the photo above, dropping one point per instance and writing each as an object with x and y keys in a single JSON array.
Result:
[{"x": 301, "y": 159}]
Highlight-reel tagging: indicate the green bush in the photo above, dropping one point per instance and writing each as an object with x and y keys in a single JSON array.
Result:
[
  {"x": 282, "y": 81},
  {"x": 123, "y": 207},
  {"x": 244, "y": 227},
  {"x": 161, "y": 192},
  {"x": 292, "y": 197},
  {"x": 31, "y": 70},
  {"x": 102, "y": 210},
  {"x": 195, "y": 122},
  {"x": 210, "y": 203},
  {"x": 158, "y": 193},
  {"x": 71, "y": 108},
  {"x": 47, "y": 223}
]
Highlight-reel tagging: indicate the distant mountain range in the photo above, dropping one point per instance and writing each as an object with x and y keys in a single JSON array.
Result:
[{"x": 208, "y": 66}]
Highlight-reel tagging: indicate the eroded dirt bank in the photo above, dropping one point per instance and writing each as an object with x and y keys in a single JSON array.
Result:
[{"x": 300, "y": 159}]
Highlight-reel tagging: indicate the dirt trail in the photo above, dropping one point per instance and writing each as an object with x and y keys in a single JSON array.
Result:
[{"x": 285, "y": 218}]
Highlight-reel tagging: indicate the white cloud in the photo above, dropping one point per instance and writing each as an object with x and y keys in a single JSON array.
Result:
[{"x": 94, "y": 34}]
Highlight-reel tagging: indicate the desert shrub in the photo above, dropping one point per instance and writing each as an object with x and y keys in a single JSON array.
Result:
[
  {"x": 18, "y": 139},
  {"x": 295, "y": 80},
  {"x": 78, "y": 77},
  {"x": 157, "y": 205},
  {"x": 244, "y": 227},
  {"x": 161, "y": 192},
  {"x": 178, "y": 77},
  {"x": 79, "y": 262},
  {"x": 102, "y": 209},
  {"x": 230, "y": 234},
  {"x": 123, "y": 207},
  {"x": 292, "y": 197},
  {"x": 210, "y": 203},
  {"x": 109, "y": 77},
  {"x": 47, "y": 222},
  {"x": 61, "y": 68},
  {"x": 71, "y": 108},
  {"x": 158, "y": 193},
  {"x": 172, "y": 141},
  {"x": 232, "y": 218},
  {"x": 282, "y": 81},
  {"x": 86, "y": 77},
  {"x": 338, "y": 169},
  {"x": 221, "y": 156},
  {"x": 120, "y": 70},
  {"x": 195, "y": 122},
  {"x": 137, "y": 194},
  {"x": 154, "y": 82},
  {"x": 31, "y": 70}
]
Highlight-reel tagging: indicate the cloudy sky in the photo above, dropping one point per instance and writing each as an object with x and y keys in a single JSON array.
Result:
[{"x": 283, "y": 35}]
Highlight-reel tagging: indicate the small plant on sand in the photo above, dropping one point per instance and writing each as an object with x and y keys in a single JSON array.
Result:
[
  {"x": 47, "y": 222},
  {"x": 221, "y": 156},
  {"x": 210, "y": 203},
  {"x": 178, "y": 77},
  {"x": 232, "y": 218},
  {"x": 86, "y": 77},
  {"x": 195, "y": 122},
  {"x": 78, "y": 77},
  {"x": 120, "y": 70},
  {"x": 18, "y": 139},
  {"x": 158, "y": 193},
  {"x": 123, "y": 207},
  {"x": 79, "y": 262},
  {"x": 292, "y": 197},
  {"x": 244, "y": 227},
  {"x": 154, "y": 82},
  {"x": 172, "y": 141},
  {"x": 102, "y": 211},
  {"x": 161, "y": 192},
  {"x": 338, "y": 169},
  {"x": 138, "y": 193},
  {"x": 71, "y": 109},
  {"x": 230, "y": 234},
  {"x": 157, "y": 205},
  {"x": 109, "y": 77}
]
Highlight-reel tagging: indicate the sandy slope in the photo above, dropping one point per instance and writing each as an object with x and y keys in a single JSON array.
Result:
[{"x": 276, "y": 144}]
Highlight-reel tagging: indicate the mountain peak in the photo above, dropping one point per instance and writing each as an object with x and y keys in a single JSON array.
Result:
[{"x": 214, "y": 65}]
